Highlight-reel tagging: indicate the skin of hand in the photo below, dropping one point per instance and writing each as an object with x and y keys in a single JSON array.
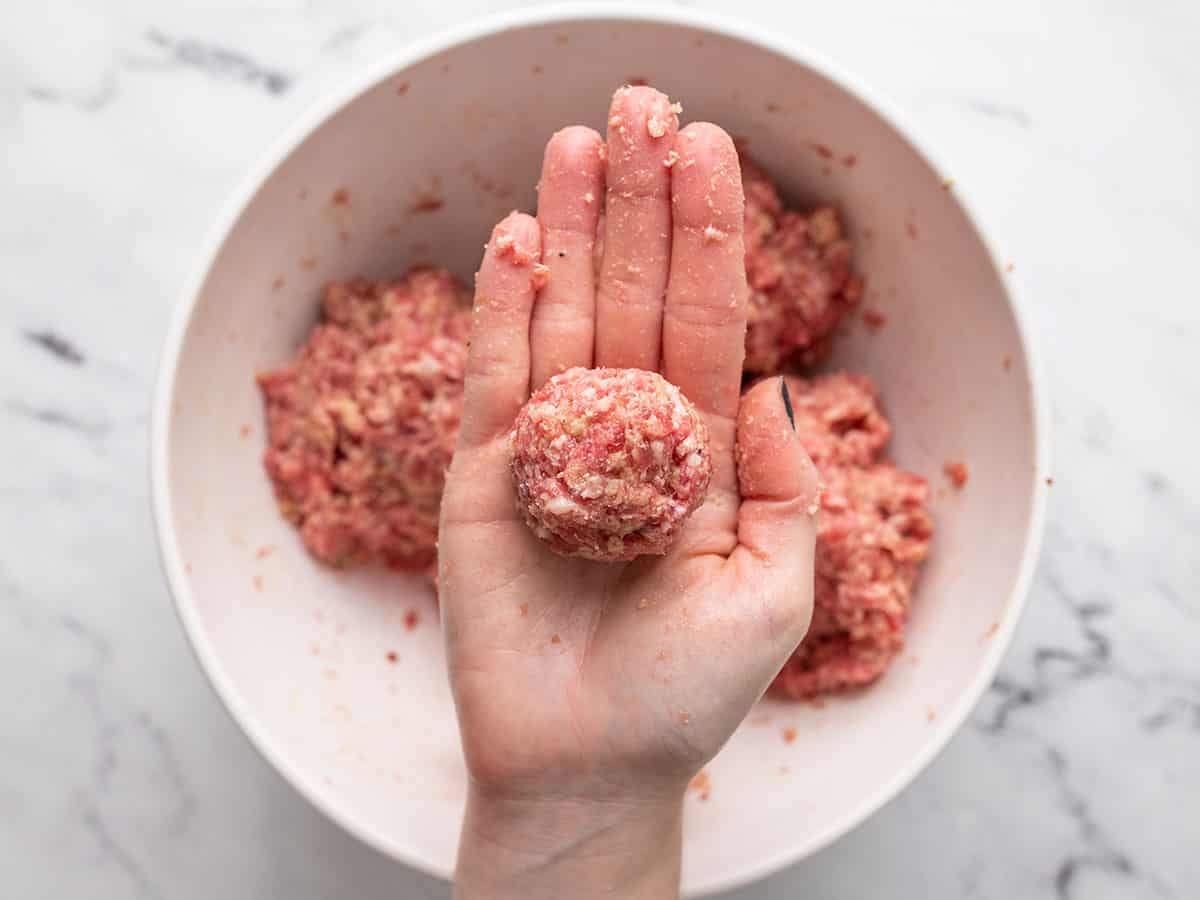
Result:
[{"x": 589, "y": 694}]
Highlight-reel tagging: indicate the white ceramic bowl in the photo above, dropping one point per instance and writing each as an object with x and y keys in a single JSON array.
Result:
[{"x": 299, "y": 653}]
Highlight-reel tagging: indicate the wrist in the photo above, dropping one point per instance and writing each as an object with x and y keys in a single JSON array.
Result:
[{"x": 538, "y": 846}]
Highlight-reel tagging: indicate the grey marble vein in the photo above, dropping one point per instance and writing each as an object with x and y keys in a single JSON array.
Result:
[
  {"x": 344, "y": 38},
  {"x": 58, "y": 418},
  {"x": 88, "y": 101},
  {"x": 218, "y": 61},
  {"x": 183, "y": 809},
  {"x": 112, "y": 850},
  {"x": 1096, "y": 851},
  {"x": 1005, "y": 111},
  {"x": 57, "y": 346}
]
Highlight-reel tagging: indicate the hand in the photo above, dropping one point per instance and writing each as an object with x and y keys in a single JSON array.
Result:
[{"x": 588, "y": 694}]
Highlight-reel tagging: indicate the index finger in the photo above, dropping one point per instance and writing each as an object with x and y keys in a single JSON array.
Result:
[
  {"x": 497, "y": 377},
  {"x": 704, "y": 322}
]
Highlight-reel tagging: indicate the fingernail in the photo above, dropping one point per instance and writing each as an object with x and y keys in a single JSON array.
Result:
[{"x": 787, "y": 401}]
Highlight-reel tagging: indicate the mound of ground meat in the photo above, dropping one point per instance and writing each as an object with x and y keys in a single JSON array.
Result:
[
  {"x": 362, "y": 423},
  {"x": 873, "y": 532},
  {"x": 798, "y": 270},
  {"x": 838, "y": 419},
  {"x": 609, "y": 463}
]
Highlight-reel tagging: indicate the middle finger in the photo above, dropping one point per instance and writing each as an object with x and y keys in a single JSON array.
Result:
[{"x": 637, "y": 232}]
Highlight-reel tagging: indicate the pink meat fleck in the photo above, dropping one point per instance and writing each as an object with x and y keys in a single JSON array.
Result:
[{"x": 957, "y": 472}]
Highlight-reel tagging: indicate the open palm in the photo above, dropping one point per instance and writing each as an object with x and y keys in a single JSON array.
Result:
[{"x": 596, "y": 679}]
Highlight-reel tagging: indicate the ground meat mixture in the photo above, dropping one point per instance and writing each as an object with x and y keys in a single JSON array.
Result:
[
  {"x": 873, "y": 532},
  {"x": 609, "y": 463},
  {"x": 801, "y": 284},
  {"x": 838, "y": 419},
  {"x": 362, "y": 423}
]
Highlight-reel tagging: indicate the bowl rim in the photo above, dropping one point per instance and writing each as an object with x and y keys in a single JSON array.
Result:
[{"x": 320, "y": 111}]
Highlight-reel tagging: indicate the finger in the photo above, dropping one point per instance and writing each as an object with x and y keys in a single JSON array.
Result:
[
  {"x": 569, "y": 198},
  {"x": 704, "y": 322},
  {"x": 777, "y": 521},
  {"x": 637, "y": 231},
  {"x": 497, "y": 377}
]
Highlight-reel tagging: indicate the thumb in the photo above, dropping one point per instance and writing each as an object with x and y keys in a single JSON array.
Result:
[{"x": 780, "y": 490}]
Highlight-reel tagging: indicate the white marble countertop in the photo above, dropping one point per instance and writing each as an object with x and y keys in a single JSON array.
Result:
[{"x": 123, "y": 127}]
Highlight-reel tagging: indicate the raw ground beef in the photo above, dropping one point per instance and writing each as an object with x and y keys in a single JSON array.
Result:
[
  {"x": 609, "y": 463},
  {"x": 873, "y": 532},
  {"x": 801, "y": 284},
  {"x": 362, "y": 423},
  {"x": 838, "y": 419}
]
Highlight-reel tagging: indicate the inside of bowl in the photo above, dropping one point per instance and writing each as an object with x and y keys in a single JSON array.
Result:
[{"x": 330, "y": 673}]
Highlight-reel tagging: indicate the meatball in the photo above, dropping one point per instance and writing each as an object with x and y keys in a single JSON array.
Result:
[
  {"x": 362, "y": 424},
  {"x": 609, "y": 463},
  {"x": 798, "y": 270}
]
